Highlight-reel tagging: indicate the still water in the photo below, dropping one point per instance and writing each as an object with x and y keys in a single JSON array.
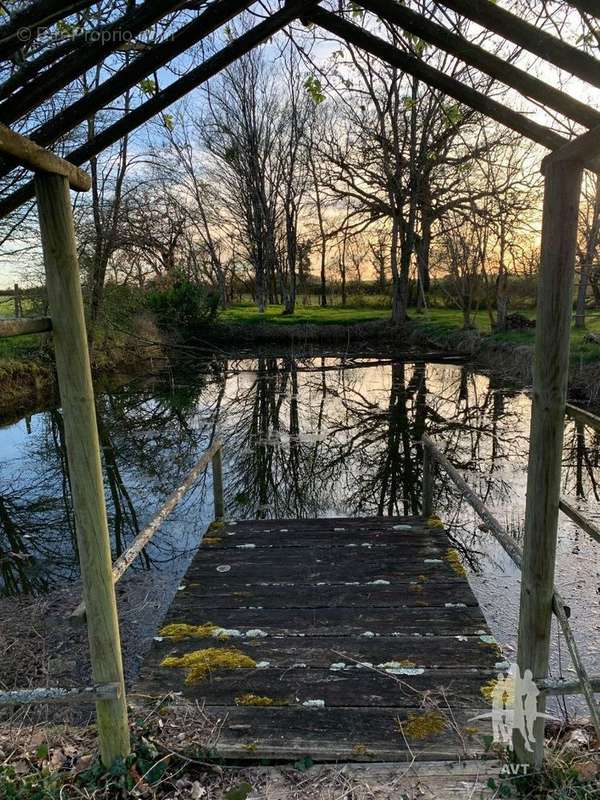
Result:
[{"x": 304, "y": 437}]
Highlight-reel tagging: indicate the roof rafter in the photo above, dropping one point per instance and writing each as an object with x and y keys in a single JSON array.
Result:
[
  {"x": 93, "y": 50},
  {"x": 581, "y": 149},
  {"x": 437, "y": 79},
  {"x": 498, "y": 68},
  {"x": 517, "y": 30},
  {"x": 26, "y": 23},
  {"x": 170, "y": 94},
  {"x": 196, "y": 30}
]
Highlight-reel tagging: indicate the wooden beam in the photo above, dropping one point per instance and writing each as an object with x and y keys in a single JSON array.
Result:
[
  {"x": 436, "y": 79},
  {"x": 584, "y": 148},
  {"x": 83, "y": 454},
  {"x": 91, "y": 51},
  {"x": 578, "y": 518},
  {"x": 476, "y": 503},
  {"x": 24, "y": 325},
  {"x": 500, "y": 69},
  {"x": 218, "y": 494},
  {"x": 30, "y": 155},
  {"x": 582, "y": 415},
  {"x": 26, "y": 23},
  {"x": 551, "y": 369},
  {"x": 517, "y": 30},
  {"x": 203, "y": 25},
  {"x": 586, "y": 7},
  {"x": 89, "y": 694},
  {"x": 170, "y": 94},
  {"x": 125, "y": 560},
  {"x": 557, "y": 687}
]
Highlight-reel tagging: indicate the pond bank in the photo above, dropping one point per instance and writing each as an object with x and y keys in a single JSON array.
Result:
[{"x": 508, "y": 358}]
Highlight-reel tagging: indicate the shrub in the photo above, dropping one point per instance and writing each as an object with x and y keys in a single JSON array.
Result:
[{"x": 183, "y": 304}]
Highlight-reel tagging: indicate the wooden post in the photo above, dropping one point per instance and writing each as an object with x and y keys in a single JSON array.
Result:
[
  {"x": 83, "y": 453},
  {"x": 551, "y": 367},
  {"x": 428, "y": 465},
  {"x": 18, "y": 307},
  {"x": 217, "y": 471}
]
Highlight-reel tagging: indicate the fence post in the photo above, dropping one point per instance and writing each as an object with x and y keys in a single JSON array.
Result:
[
  {"x": 18, "y": 306},
  {"x": 83, "y": 453},
  {"x": 217, "y": 471},
  {"x": 428, "y": 465},
  {"x": 551, "y": 370}
]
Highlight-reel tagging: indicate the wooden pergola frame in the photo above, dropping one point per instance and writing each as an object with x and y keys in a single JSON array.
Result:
[{"x": 28, "y": 87}]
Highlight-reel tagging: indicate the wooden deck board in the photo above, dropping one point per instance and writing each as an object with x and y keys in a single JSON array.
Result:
[{"x": 354, "y": 625}]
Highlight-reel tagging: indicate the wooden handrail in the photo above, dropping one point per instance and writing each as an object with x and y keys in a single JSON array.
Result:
[
  {"x": 583, "y": 522},
  {"x": 582, "y": 415},
  {"x": 88, "y": 694},
  {"x": 126, "y": 559},
  {"x": 516, "y": 554}
]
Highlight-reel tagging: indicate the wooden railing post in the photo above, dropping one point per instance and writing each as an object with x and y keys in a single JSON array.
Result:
[
  {"x": 428, "y": 466},
  {"x": 83, "y": 453},
  {"x": 217, "y": 473},
  {"x": 551, "y": 367}
]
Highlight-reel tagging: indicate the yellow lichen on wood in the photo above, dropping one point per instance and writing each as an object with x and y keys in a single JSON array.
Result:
[
  {"x": 405, "y": 663},
  {"x": 434, "y": 522},
  {"x": 177, "y": 631},
  {"x": 201, "y": 662},
  {"x": 506, "y": 689},
  {"x": 256, "y": 700},
  {"x": 361, "y": 750},
  {"x": 216, "y": 525},
  {"x": 423, "y": 726},
  {"x": 453, "y": 558}
]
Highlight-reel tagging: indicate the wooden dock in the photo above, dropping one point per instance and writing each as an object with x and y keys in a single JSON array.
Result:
[{"x": 338, "y": 639}]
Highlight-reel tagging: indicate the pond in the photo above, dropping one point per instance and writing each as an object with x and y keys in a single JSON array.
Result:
[{"x": 303, "y": 437}]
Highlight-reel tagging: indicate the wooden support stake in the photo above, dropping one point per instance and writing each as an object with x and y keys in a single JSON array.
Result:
[
  {"x": 83, "y": 453},
  {"x": 428, "y": 465},
  {"x": 18, "y": 307},
  {"x": 217, "y": 471},
  {"x": 551, "y": 367}
]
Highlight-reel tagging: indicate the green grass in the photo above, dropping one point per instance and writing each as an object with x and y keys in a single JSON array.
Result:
[{"x": 247, "y": 314}]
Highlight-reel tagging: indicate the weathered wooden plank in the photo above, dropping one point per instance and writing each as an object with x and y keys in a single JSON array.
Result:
[
  {"x": 397, "y": 594},
  {"x": 363, "y": 615},
  {"x": 336, "y": 537},
  {"x": 358, "y": 734},
  {"x": 425, "y": 651},
  {"x": 336, "y": 621},
  {"x": 291, "y": 687},
  {"x": 354, "y": 564}
]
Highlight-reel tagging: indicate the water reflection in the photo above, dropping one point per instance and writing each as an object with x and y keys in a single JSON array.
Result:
[{"x": 303, "y": 437}]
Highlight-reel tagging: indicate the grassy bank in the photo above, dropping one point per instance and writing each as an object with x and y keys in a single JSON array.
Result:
[
  {"x": 246, "y": 314},
  {"x": 439, "y": 325}
]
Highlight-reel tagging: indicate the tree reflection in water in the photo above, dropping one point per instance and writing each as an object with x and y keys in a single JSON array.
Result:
[{"x": 304, "y": 437}]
